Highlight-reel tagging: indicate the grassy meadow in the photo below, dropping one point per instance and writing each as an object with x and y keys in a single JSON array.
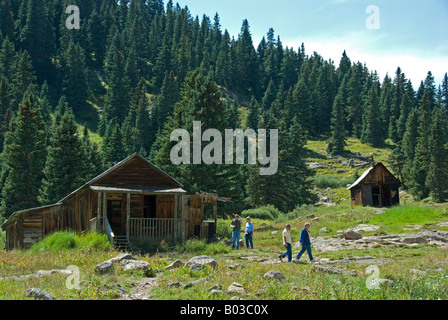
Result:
[{"x": 417, "y": 271}]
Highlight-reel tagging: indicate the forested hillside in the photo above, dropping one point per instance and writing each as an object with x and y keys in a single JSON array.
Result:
[{"x": 75, "y": 102}]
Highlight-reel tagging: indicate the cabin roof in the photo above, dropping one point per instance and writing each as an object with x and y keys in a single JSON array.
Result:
[
  {"x": 366, "y": 173},
  {"x": 121, "y": 164}
]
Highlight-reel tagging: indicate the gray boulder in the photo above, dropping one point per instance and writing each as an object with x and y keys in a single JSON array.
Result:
[
  {"x": 134, "y": 265},
  {"x": 199, "y": 262},
  {"x": 236, "y": 289},
  {"x": 414, "y": 240},
  {"x": 352, "y": 235},
  {"x": 176, "y": 264},
  {"x": 105, "y": 267},
  {"x": 274, "y": 275},
  {"x": 39, "y": 294}
]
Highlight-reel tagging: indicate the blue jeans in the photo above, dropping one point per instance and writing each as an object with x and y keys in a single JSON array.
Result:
[
  {"x": 249, "y": 240},
  {"x": 288, "y": 252},
  {"x": 236, "y": 238},
  {"x": 307, "y": 248}
]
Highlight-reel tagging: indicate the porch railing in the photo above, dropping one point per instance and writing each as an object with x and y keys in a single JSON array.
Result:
[
  {"x": 152, "y": 229},
  {"x": 108, "y": 230}
]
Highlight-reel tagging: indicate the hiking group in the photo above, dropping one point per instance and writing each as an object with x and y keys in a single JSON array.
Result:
[{"x": 305, "y": 238}]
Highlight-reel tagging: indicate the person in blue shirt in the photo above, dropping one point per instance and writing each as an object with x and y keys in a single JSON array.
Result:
[
  {"x": 305, "y": 241},
  {"x": 249, "y": 233}
]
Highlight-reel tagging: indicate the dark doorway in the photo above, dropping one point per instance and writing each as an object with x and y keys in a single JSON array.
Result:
[
  {"x": 386, "y": 196},
  {"x": 150, "y": 207},
  {"x": 114, "y": 216}
]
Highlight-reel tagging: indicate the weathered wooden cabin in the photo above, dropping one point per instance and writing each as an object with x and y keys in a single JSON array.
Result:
[
  {"x": 132, "y": 201},
  {"x": 376, "y": 187}
]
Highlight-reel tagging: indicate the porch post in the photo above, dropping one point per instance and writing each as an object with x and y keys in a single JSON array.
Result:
[
  {"x": 104, "y": 212},
  {"x": 98, "y": 221},
  {"x": 128, "y": 213},
  {"x": 184, "y": 215},
  {"x": 176, "y": 215}
]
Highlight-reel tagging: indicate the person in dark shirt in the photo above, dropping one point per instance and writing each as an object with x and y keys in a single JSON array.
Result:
[
  {"x": 236, "y": 225},
  {"x": 305, "y": 241}
]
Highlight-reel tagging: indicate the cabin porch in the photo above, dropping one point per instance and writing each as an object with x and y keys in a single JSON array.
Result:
[{"x": 147, "y": 215}]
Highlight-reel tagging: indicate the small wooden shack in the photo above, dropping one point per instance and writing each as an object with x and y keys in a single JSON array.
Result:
[
  {"x": 132, "y": 201},
  {"x": 376, "y": 187}
]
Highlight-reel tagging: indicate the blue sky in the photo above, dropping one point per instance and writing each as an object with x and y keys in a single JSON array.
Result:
[{"x": 412, "y": 34}]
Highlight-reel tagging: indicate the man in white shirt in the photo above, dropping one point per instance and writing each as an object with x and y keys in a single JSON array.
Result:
[{"x": 287, "y": 242}]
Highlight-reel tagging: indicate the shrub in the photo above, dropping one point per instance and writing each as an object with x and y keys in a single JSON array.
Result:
[
  {"x": 223, "y": 229},
  {"x": 266, "y": 213},
  {"x": 331, "y": 181}
]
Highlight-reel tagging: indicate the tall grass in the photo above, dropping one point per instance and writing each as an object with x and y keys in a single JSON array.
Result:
[{"x": 69, "y": 240}]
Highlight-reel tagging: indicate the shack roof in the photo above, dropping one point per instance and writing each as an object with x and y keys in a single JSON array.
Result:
[{"x": 367, "y": 172}]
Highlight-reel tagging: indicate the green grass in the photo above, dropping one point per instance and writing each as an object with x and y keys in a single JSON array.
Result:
[
  {"x": 394, "y": 219},
  {"x": 68, "y": 240}
]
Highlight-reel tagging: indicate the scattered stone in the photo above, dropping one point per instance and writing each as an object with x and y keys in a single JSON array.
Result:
[
  {"x": 366, "y": 228},
  {"x": 118, "y": 287},
  {"x": 328, "y": 270},
  {"x": 311, "y": 216},
  {"x": 414, "y": 240},
  {"x": 352, "y": 235},
  {"x": 274, "y": 232},
  {"x": 38, "y": 294},
  {"x": 121, "y": 257},
  {"x": 105, "y": 267},
  {"x": 215, "y": 287},
  {"x": 197, "y": 263},
  {"x": 193, "y": 283},
  {"x": 274, "y": 275},
  {"x": 316, "y": 219},
  {"x": 176, "y": 264},
  {"x": 235, "y": 266},
  {"x": 236, "y": 289},
  {"x": 134, "y": 265},
  {"x": 216, "y": 292},
  {"x": 417, "y": 272},
  {"x": 175, "y": 284},
  {"x": 324, "y": 229}
]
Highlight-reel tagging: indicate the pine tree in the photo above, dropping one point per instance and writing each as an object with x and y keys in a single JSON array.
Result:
[
  {"x": 336, "y": 144},
  {"x": 74, "y": 85},
  {"x": 65, "y": 165},
  {"x": 23, "y": 158},
  {"x": 6, "y": 19},
  {"x": 200, "y": 101},
  {"x": 23, "y": 77},
  {"x": 437, "y": 177},
  {"x": 290, "y": 186},
  {"x": 7, "y": 59},
  {"x": 5, "y": 109},
  {"x": 164, "y": 105},
  {"x": 247, "y": 63},
  {"x": 420, "y": 165},
  {"x": 371, "y": 130},
  {"x": 355, "y": 104},
  {"x": 37, "y": 37},
  {"x": 96, "y": 38},
  {"x": 117, "y": 100},
  {"x": 113, "y": 148}
]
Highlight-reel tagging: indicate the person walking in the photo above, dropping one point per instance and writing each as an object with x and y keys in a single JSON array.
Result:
[
  {"x": 305, "y": 241},
  {"x": 236, "y": 225},
  {"x": 287, "y": 243},
  {"x": 249, "y": 233}
]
